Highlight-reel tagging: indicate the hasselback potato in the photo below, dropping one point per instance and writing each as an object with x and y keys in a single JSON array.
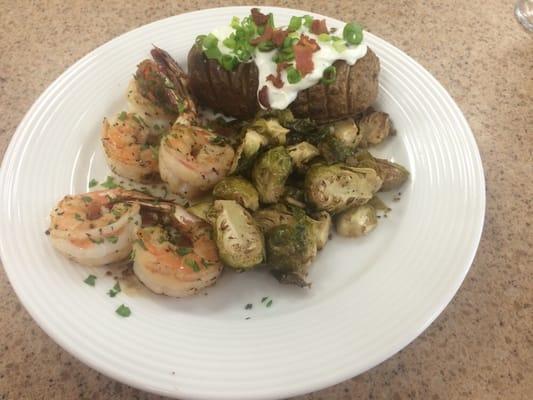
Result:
[{"x": 234, "y": 93}]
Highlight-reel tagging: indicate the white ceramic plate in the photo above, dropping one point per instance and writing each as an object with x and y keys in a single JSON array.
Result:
[{"x": 370, "y": 297}]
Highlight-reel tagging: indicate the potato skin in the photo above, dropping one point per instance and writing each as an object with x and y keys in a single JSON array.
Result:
[{"x": 234, "y": 93}]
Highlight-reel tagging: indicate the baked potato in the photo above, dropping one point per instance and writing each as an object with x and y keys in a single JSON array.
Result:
[{"x": 234, "y": 93}]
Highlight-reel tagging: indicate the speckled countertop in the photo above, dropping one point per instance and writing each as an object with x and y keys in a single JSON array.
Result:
[{"x": 481, "y": 346}]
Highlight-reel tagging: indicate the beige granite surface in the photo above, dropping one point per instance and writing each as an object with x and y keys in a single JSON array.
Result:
[{"x": 481, "y": 347}]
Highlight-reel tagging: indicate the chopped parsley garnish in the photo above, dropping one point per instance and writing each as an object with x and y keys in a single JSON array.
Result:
[
  {"x": 219, "y": 140},
  {"x": 264, "y": 299},
  {"x": 78, "y": 217},
  {"x": 115, "y": 290},
  {"x": 193, "y": 265},
  {"x": 110, "y": 183},
  {"x": 92, "y": 183},
  {"x": 90, "y": 280},
  {"x": 183, "y": 251},
  {"x": 248, "y": 306},
  {"x": 96, "y": 241},
  {"x": 122, "y": 116},
  {"x": 123, "y": 311},
  {"x": 86, "y": 199},
  {"x": 113, "y": 239},
  {"x": 269, "y": 303}
]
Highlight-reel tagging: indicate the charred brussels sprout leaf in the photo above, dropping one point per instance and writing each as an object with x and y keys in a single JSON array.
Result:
[
  {"x": 302, "y": 153},
  {"x": 275, "y": 215},
  {"x": 247, "y": 151},
  {"x": 270, "y": 172},
  {"x": 272, "y": 129},
  {"x": 341, "y": 142},
  {"x": 320, "y": 223},
  {"x": 393, "y": 175},
  {"x": 356, "y": 221},
  {"x": 334, "y": 188},
  {"x": 238, "y": 189},
  {"x": 239, "y": 240},
  {"x": 375, "y": 127}
]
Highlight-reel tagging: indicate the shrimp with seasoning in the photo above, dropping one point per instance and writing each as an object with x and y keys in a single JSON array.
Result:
[
  {"x": 96, "y": 228},
  {"x": 131, "y": 147},
  {"x": 177, "y": 258},
  {"x": 156, "y": 91},
  {"x": 191, "y": 159}
]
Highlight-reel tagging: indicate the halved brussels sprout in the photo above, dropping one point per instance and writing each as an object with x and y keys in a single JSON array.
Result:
[
  {"x": 341, "y": 142},
  {"x": 393, "y": 175},
  {"x": 247, "y": 151},
  {"x": 356, "y": 221},
  {"x": 321, "y": 225},
  {"x": 201, "y": 209},
  {"x": 275, "y": 215},
  {"x": 337, "y": 187},
  {"x": 290, "y": 250},
  {"x": 302, "y": 153},
  {"x": 271, "y": 129},
  {"x": 270, "y": 172},
  {"x": 239, "y": 240},
  {"x": 374, "y": 127},
  {"x": 238, "y": 189}
]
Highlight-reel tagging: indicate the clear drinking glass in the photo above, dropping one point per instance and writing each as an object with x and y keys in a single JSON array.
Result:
[{"x": 524, "y": 13}]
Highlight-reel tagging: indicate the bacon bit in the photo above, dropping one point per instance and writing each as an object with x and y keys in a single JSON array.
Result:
[
  {"x": 303, "y": 54},
  {"x": 276, "y": 80},
  {"x": 263, "y": 97},
  {"x": 318, "y": 26},
  {"x": 281, "y": 66},
  {"x": 259, "y": 18},
  {"x": 265, "y": 37},
  {"x": 278, "y": 36}
]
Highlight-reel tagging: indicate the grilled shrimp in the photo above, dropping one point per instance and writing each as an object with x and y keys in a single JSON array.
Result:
[
  {"x": 179, "y": 258},
  {"x": 192, "y": 160},
  {"x": 131, "y": 147},
  {"x": 96, "y": 228},
  {"x": 156, "y": 92}
]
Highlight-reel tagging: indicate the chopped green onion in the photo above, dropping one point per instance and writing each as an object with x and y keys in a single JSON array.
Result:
[
  {"x": 115, "y": 290},
  {"x": 352, "y": 33},
  {"x": 230, "y": 43},
  {"x": 228, "y": 62},
  {"x": 293, "y": 75},
  {"x": 295, "y": 23},
  {"x": 235, "y": 22},
  {"x": 90, "y": 280},
  {"x": 210, "y": 41},
  {"x": 308, "y": 21},
  {"x": 329, "y": 76},
  {"x": 324, "y": 37},
  {"x": 339, "y": 46},
  {"x": 213, "y": 53},
  {"x": 271, "y": 20},
  {"x": 265, "y": 46},
  {"x": 335, "y": 38},
  {"x": 123, "y": 311}
]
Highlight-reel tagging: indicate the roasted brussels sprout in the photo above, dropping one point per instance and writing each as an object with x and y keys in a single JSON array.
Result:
[
  {"x": 247, "y": 151},
  {"x": 238, "y": 189},
  {"x": 301, "y": 153},
  {"x": 393, "y": 175},
  {"x": 271, "y": 129},
  {"x": 374, "y": 127},
  {"x": 270, "y": 172},
  {"x": 341, "y": 142},
  {"x": 201, "y": 209},
  {"x": 290, "y": 250},
  {"x": 239, "y": 240},
  {"x": 321, "y": 225},
  {"x": 356, "y": 221},
  {"x": 275, "y": 215},
  {"x": 337, "y": 187}
]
